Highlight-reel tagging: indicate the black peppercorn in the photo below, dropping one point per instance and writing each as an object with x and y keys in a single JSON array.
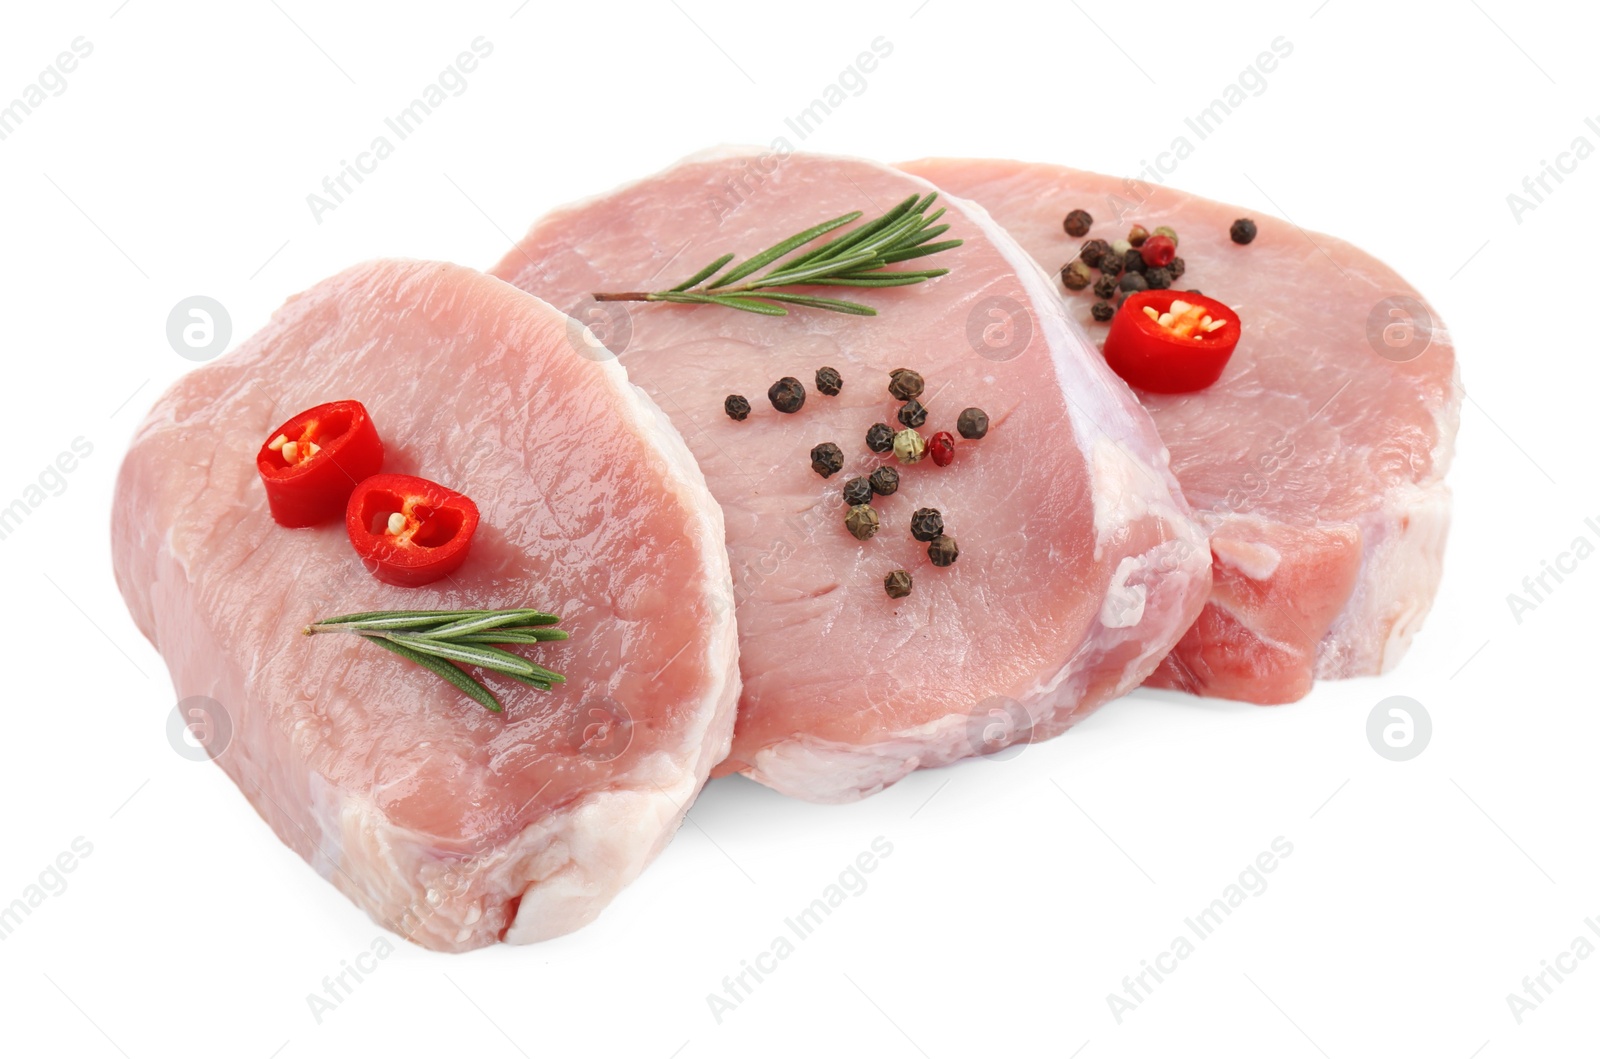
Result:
[
  {"x": 912, "y": 414},
  {"x": 826, "y": 459},
  {"x": 787, "y": 395},
  {"x": 898, "y": 584},
  {"x": 1158, "y": 278},
  {"x": 1242, "y": 231},
  {"x": 1193, "y": 291},
  {"x": 904, "y": 384},
  {"x": 861, "y": 521},
  {"x": 736, "y": 407},
  {"x": 1132, "y": 281},
  {"x": 1077, "y": 223},
  {"x": 880, "y": 438},
  {"x": 857, "y": 491},
  {"x": 884, "y": 480},
  {"x": 1075, "y": 275},
  {"x": 943, "y": 551},
  {"x": 829, "y": 382},
  {"x": 1137, "y": 235},
  {"x": 1177, "y": 267},
  {"x": 1105, "y": 286},
  {"x": 1112, "y": 264},
  {"x": 927, "y": 524},
  {"x": 1133, "y": 261},
  {"x": 972, "y": 423},
  {"x": 1093, "y": 251},
  {"x": 1102, "y": 311}
]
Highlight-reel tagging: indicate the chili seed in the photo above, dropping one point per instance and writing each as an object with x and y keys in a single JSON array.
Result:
[
  {"x": 927, "y": 524},
  {"x": 909, "y": 446},
  {"x": 1137, "y": 235},
  {"x": 1242, "y": 231},
  {"x": 1092, "y": 251},
  {"x": 912, "y": 414},
  {"x": 898, "y": 584},
  {"x": 1132, "y": 281},
  {"x": 904, "y": 384},
  {"x": 861, "y": 521},
  {"x": 1102, "y": 311},
  {"x": 1177, "y": 267},
  {"x": 857, "y": 491},
  {"x": 1168, "y": 232},
  {"x": 826, "y": 459},
  {"x": 884, "y": 481},
  {"x": 942, "y": 449},
  {"x": 1077, "y": 223},
  {"x": 1075, "y": 275},
  {"x": 1112, "y": 264},
  {"x": 880, "y": 438},
  {"x": 1158, "y": 279},
  {"x": 736, "y": 407},
  {"x": 972, "y": 423},
  {"x": 829, "y": 382},
  {"x": 1133, "y": 261},
  {"x": 1105, "y": 286},
  {"x": 943, "y": 551},
  {"x": 787, "y": 395}
]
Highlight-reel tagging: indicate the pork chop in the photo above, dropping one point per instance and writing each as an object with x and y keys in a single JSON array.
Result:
[
  {"x": 1079, "y": 564},
  {"x": 451, "y": 825},
  {"x": 1316, "y": 463}
]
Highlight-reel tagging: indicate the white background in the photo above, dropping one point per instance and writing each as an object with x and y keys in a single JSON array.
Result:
[{"x": 1019, "y": 893}]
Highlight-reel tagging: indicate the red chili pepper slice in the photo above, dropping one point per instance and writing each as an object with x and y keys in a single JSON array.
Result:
[
  {"x": 409, "y": 531},
  {"x": 1170, "y": 341},
  {"x": 311, "y": 464}
]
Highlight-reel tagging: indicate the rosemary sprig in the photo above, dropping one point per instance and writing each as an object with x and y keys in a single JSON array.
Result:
[
  {"x": 858, "y": 258},
  {"x": 445, "y": 640}
]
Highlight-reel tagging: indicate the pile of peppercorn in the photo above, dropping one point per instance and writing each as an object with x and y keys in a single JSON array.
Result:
[{"x": 1144, "y": 260}]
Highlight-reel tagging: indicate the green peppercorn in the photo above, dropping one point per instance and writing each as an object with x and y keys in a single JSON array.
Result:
[
  {"x": 1132, "y": 281},
  {"x": 880, "y": 438},
  {"x": 1133, "y": 261},
  {"x": 1075, "y": 275},
  {"x": 884, "y": 481},
  {"x": 736, "y": 407},
  {"x": 912, "y": 414},
  {"x": 1158, "y": 278},
  {"x": 826, "y": 459},
  {"x": 943, "y": 551},
  {"x": 909, "y": 446},
  {"x": 857, "y": 491},
  {"x": 898, "y": 584},
  {"x": 926, "y": 524},
  {"x": 1242, "y": 231},
  {"x": 1077, "y": 223},
  {"x": 787, "y": 395},
  {"x": 1105, "y": 286},
  {"x": 1168, "y": 232},
  {"x": 829, "y": 382},
  {"x": 1112, "y": 265},
  {"x": 1102, "y": 311},
  {"x": 1092, "y": 251},
  {"x": 904, "y": 384},
  {"x": 1177, "y": 267},
  {"x": 972, "y": 423},
  {"x": 1137, "y": 235},
  {"x": 862, "y": 521}
]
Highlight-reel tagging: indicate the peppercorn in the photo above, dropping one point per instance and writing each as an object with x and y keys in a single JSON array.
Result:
[
  {"x": 861, "y": 521},
  {"x": 736, "y": 407},
  {"x": 828, "y": 382},
  {"x": 1075, "y": 275},
  {"x": 1105, "y": 286},
  {"x": 1112, "y": 264},
  {"x": 909, "y": 446},
  {"x": 1137, "y": 235},
  {"x": 898, "y": 584},
  {"x": 1092, "y": 251},
  {"x": 1102, "y": 311},
  {"x": 1132, "y": 281},
  {"x": 826, "y": 459},
  {"x": 942, "y": 449},
  {"x": 1158, "y": 251},
  {"x": 880, "y": 438},
  {"x": 912, "y": 414},
  {"x": 904, "y": 384},
  {"x": 1177, "y": 267},
  {"x": 1133, "y": 261},
  {"x": 787, "y": 395},
  {"x": 1120, "y": 246},
  {"x": 1168, "y": 232},
  {"x": 1193, "y": 291},
  {"x": 927, "y": 524},
  {"x": 972, "y": 423},
  {"x": 1158, "y": 279},
  {"x": 943, "y": 551},
  {"x": 884, "y": 481},
  {"x": 1077, "y": 223},
  {"x": 857, "y": 491},
  {"x": 1242, "y": 231}
]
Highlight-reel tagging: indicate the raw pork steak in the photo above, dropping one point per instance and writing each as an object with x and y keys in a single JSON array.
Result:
[
  {"x": 448, "y": 824},
  {"x": 1079, "y": 565},
  {"x": 1316, "y": 463}
]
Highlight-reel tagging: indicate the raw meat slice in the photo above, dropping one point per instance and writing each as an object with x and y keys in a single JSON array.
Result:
[
  {"x": 448, "y": 824},
  {"x": 1316, "y": 463},
  {"x": 1079, "y": 563}
]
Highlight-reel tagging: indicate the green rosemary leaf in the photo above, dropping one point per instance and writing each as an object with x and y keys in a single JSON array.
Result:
[
  {"x": 392, "y": 619},
  {"x": 819, "y": 268},
  {"x": 749, "y": 305},
  {"x": 492, "y": 620},
  {"x": 514, "y": 636},
  {"x": 882, "y": 279},
  {"x": 850, "y": 239},
  {"x": 705, "y": 273},
  {"x": 468, "y": 686},
  {"x": 772, "y": 253},
  {"x": 532, "y": 682},
  {"x": 921, "y": 251},
  {"x": 926, "y": 235},
  {"x": 811, "y": 301},
  {"x": 484, "y": 657}
]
